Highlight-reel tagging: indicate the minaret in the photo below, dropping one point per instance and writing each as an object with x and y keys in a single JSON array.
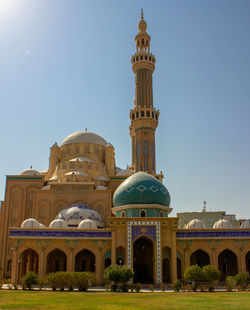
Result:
[{"x": 144, "y": 117}]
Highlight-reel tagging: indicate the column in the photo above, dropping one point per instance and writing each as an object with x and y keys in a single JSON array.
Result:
[
  {"x": 14, "y": 269},
  {"x": 113, "y": 248},
  {"x": 243, "y": 268},
  {"x": 41, "y": 263},
  {"x": 99, "y": 268},
  {"x": 173, "y": 257}
]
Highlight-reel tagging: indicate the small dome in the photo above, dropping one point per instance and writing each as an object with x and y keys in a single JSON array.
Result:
[
  {"x": 101, "y": 188},
  {"x": 222, "y": 224},
  {"x": 30, "y": 172},
  {"x": 77, "y": 173},
  {"x": 109, "y": 145},
  {"x": 82, "y": 159},
  {"x": 141, "y": 188},
  {"x": 75, "y": 213},
  {"x": 102, "y": 178},
  {"x": 84, "y": 137},
  {"x": 195, "y": 224},
  {"x": 124, "y": 172},
  {"x": 245, "y": 224},
  {"x": 42, "y": 226},
  {"x": 86, "y": 224},
  {"x": 30, "y": 223},
  {"x": 58, "y": 223}
]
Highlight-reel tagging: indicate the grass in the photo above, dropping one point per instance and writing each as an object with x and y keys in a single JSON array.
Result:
[{"x": 11, "y": 299}]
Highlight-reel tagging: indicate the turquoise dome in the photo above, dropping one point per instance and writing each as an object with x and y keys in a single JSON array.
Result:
[{"x": 141, "y": 188}]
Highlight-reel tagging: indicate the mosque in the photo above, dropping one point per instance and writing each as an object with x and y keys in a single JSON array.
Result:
[{"x": 84, "y": 214}]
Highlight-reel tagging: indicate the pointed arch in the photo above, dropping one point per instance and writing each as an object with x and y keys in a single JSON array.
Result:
[
  {"x": 56, "y": 261},
  {"x": 85, "y": 261},
  {"x": 200, "y": 258},
  {"x": 228, "y": 264},
  {"x": 28, "y": 261}
]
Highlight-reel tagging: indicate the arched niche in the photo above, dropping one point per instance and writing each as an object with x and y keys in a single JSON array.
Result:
[
  {"x": 28, "y": 261},
  {"x": 85, "y": 261},
  {"x": 200, "y": 258},
  {"x": 120, "y": 255},
  {"x": 248, "y": 263},
  {"x": 143, "y": 260},
  {"x": 166, "y": 264},
  {"x": 56, "y": 261},
  {"x": 227, "y": 262}
]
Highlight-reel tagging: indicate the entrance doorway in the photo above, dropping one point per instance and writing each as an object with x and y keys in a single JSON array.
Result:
[{"x": 143, "y": 260}]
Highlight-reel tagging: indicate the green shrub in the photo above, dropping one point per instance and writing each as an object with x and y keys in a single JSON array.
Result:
[
  {"x": 194, "y": 273},
  {"x": 211, "y": 274},
  {"x": 138, "y": 287},
  {"x": 123, "y": 287},
  {"x": 41, "y": 283},
  {"x": 83, "y": 280},
  {"x": 151, "y": 287},
  {"x": 69, "y": 280},
  {"x": 230, "y": 283},
  {"x": 177, "y": 285},
  {"x": 30, "y": 279},
  {"x": 163, "y": 287},
  {"x": 241, "y": 280},
  {"x": 118, "y": 275},
  {"x": 51, "y": 278}
]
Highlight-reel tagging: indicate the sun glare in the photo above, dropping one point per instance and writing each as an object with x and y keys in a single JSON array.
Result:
[{"x": 8, "y": 9}]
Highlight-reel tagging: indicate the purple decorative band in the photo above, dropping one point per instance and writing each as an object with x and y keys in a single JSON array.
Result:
[
  {"x": 60, "y": 234},
  {"x": 214, "y": 234},
  {"x": 140, "y": 230}
]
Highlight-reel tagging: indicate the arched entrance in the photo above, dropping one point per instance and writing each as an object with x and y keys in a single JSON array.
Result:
[
  {"x": 248, "y": 263},
  {"x": 28, "y": 262},
  {"x": 143, "y": 260},
  {"x": 85, "y": 261},
  {"x": 178, "y": 263},
  {"x": 120, "y": 254},
  {"x": 199, "y": 258},
  {"x": 107, "y": 262},
  {"x": 227, "y": 262},
  {"x": 166, "y": 265},
  {"x": 56, "y": 261}
]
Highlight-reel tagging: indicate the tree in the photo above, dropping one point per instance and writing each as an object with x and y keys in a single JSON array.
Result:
[
  {"x": 30, "y": 279},
  {"x": 118, "y": 275},
  {"x": 241, "y": 279},
  {"x": 193, "y": 273},
  {"x": 211, "y": 274}
]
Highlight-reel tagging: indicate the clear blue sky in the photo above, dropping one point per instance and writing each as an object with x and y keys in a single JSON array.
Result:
[{"x": 65, "y": 66}]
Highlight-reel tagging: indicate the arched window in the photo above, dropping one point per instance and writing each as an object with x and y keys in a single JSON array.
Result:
[
  {"x": 142, "y": 213},
  {"x": 123, "y": 213},
  {"x": 161, "y": 214}
]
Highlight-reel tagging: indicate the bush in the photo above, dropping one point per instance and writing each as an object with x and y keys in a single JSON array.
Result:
[
  {"x": 230, "y": 283},
  {"x": 194, "y": 273},
  {"x": 52, "y": 280},
  {"x": 241, "y": 280},
  {"x": 83, "y": 280},
  {"x": 163, "y": 287},
  {"x": 118, "y": 275},
  {"x": 177, "y": 285},
  {"x": 211, "y": 274},
  {"x": 41, "y": 283},
  {"x": 138, "y": 287},
  {"x": 151, "y": 287},
  {"x": 69, "y": 280},
  {"x": 30, "y": 279}
]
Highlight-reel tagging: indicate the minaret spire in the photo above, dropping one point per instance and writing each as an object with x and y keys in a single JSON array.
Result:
[{"x": 144, "y": 117}]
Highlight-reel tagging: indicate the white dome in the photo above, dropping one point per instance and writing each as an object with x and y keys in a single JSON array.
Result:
[
  {"x": 30, "y": 172},
  {"x": 101, "y": 188},
  {"x": 74, "y": 214},
  {"x": 86, "y": 224},
  {"x": 222, "y": 224},
  {"x": 30, "y": 223},
  {"x": 124, "y": 172},
  {"x": 245, "y": 224},
  {"x": 58, "y": 223},
  {"x": 42, "y": 226},
  {"x": 81, "y": 159},
  {"x": 84, "y": 137},
  {"x": 195, "y": 224},
  {"x": 102, "y": 178},
  {"x": 77, "y": 173}
]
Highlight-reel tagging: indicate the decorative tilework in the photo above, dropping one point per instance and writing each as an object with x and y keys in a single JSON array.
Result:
[
  {"x": 213, "y": 234},
  {"x": 60, "y": 234},
  {"x": 143, "y": 231}
]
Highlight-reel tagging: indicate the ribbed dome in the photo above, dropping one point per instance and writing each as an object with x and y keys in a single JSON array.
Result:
[
  {"x": 84, "y": 137},
  {"x": 195, "y": 224},
  {"x": 141, "y": 188},
  {"x": 222, "y": 224},
  {"x": 86, "y": 224},
  {"x": 245, "y": 224},
  {"x": 30, "y": 172},
  {"x": 75, "y": 213},
  {"x": 58, "y": 223},
  {"x": 30, "y": 223}
]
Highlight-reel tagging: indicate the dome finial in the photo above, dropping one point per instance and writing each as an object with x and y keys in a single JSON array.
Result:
[{"x": 141, "y": 13}]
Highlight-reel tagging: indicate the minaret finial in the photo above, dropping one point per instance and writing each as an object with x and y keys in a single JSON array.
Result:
[{"x": 141, "y": 13}]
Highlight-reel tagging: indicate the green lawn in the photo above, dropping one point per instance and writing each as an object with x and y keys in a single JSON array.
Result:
[{"x": 11, "y": 299}]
